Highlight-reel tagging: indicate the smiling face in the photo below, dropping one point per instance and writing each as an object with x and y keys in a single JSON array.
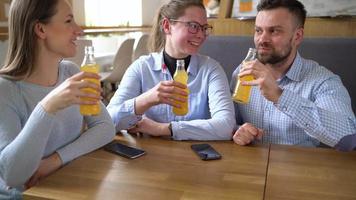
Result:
[
  {"x": 60, "y": 33},
  {"x": 179, "y": 41},
  {"x": 276, "y": 36}
]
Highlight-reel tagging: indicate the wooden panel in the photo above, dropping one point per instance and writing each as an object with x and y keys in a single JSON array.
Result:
[
  {"x": 330, "y": 27},
  {"x": 169, "y": 170},
  {"x": 310, "y": 174},
  {"x": 225, "y": 9},
  {"x": 232, "y": 27},
  {"x": 3, "y": 17},
  {"x": 314, "y": 27}
]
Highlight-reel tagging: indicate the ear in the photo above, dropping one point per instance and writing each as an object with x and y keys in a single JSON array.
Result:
[
  {"x": 299, "y": 35},
  {"x": 166, "y": 26},
  {"x": 40, "y": 30}
]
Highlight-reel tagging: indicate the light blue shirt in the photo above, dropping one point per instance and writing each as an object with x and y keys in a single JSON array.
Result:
[
  {"x": 314, "y": 107},
  {"x": 28, "y": 133},
  {"x": 211, "y": 111}
]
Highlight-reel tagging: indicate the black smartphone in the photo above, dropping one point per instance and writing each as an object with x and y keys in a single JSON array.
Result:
[
  {"x": 124, "y": 150},
  {"x": 206, "y": 152}
]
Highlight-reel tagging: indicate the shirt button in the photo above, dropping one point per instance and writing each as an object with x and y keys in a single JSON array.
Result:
[
  {"x": 284, "y": 108},
  {"x": 307, "y": 125}
]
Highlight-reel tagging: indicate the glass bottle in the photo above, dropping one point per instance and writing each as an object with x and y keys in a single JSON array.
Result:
[
  {"x": 89, "y": 65},
  {"x": 242, "y": 92},
  {"x": 181, "y": 76}
]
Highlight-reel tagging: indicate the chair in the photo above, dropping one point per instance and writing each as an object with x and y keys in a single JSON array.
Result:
[
  {"x": 122, "y": 61},
  {"x": 79, "y": 56},
  {"x": 141, "y": 47}
]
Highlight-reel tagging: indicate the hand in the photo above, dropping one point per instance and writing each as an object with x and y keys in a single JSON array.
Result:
[
  {"x": 47, "y": 166},
  {"x": 165, "y": 92},
  {"x": 70, "y": 92},
  {"x": 150, "y": 127},
  {"x": 264, "y": 78},
  {"x": 246, "y": 134}
]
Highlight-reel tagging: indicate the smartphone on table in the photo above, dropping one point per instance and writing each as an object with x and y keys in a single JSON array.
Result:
[
  {"x": 206, "y": 152},
  {"x": 124, "y": 150}
]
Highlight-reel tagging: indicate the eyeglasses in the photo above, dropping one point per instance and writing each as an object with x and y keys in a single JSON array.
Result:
[{"x": 193, "y": 27}]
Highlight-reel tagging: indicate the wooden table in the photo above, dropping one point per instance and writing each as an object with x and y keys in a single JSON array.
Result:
[
  {"x": 310, "y": 173},
  {"x": 170, "y": 170}
]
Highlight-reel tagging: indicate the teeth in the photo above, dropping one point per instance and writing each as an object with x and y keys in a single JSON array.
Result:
[{"x": 194, "y": 43}]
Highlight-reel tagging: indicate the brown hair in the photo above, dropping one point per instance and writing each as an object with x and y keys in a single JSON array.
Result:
[
  {"x": 172, "y": 10},
  {"x": 23, "y": 16},
  {"x": 294, "y": 6}
]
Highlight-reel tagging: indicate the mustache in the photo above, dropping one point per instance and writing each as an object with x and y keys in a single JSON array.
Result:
[{"x": 264, "y": 44}]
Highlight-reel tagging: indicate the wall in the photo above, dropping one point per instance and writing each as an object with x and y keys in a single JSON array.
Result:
[
  {"x": 314, "y": 27},
  {"x": 79, "y": 12},
  {"x": 149, "y": 9}
]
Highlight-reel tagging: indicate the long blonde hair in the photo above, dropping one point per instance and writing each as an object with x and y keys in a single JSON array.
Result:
[
  {"x": 172, "y": 10},
  {"x": 23, "y": 16}
]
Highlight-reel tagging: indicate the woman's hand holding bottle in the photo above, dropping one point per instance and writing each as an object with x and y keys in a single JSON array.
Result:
[
  {"x": 70, "y": 93},
  {"x": 165, "y": 92}
]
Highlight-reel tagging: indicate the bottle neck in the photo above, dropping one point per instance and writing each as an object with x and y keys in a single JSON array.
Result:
[
  {"x": 251, "y": 55},
  {"x": 89, "y": 56},
  {"x": 171, "y": 62},
  {"x": 180, "y": 67},
  {"x": 89, "y": 59}
]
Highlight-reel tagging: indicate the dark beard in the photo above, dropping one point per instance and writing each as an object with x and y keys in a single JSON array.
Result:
[{"x": 273, "y": 59}]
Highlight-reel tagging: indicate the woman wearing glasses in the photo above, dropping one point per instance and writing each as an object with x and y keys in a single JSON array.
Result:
[{"x": 143, "y": 103}]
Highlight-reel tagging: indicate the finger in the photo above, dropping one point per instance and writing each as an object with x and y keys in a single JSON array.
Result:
[
  {"x": 246, "y": 137},
  {"x": 252, "y": 130},
  {"x": 260, "y": 134},
  {"x": 134, "y": 130},
  {"x": 82, "y": 75},
  {"x": 88, "y": 102},
  {"x": 173, "y": 99},
  {"x": 250, "y": 83},
  {"x": 179, "y": 85},
  {"x": 239, "y": 135},
  {"x": 180, "y": 91},
  {"x": 174, "y": 83},
  {"x": 88, "y": 84},
  {"x": 171, "y": 102},
  {"x": 238, "y": 141},
  {"x": 174, "y": 90},
  {"x": 89, "y": 94},
  {"x": 32, "y": 181}
]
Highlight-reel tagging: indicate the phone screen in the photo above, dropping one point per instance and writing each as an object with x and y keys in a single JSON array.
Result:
[
  {"x": 206, "y": 152},
  {"x": 124, "y": 150}
]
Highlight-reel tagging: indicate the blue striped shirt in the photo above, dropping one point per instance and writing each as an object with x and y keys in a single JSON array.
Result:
[
  {"x": 211, "y": 111},
  {"x": 314, "y": 107}
]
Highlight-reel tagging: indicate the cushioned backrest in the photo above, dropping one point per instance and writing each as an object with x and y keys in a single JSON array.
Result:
[
  {"x": 229, "y": 51},
  {"x": 336, "y": 54}
]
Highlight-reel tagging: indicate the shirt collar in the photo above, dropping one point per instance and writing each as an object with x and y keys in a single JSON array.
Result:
[
  {"x": 159, "y": 63},
  {"x": 295, "y": 71}
]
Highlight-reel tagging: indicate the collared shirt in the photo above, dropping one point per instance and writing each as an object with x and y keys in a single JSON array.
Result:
[
  {"x": 314, "y": 107},
  {"x": 211, "y": 111}
]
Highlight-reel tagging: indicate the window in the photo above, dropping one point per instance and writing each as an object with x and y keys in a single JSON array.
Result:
[{"x": 113, "y": 13}]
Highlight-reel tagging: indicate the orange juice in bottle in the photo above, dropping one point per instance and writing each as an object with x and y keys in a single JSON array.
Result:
[
  {"x": 181, "y": 76},
  {"x": 242, "y": 92},
  {"x": 89, "y": 65}
]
